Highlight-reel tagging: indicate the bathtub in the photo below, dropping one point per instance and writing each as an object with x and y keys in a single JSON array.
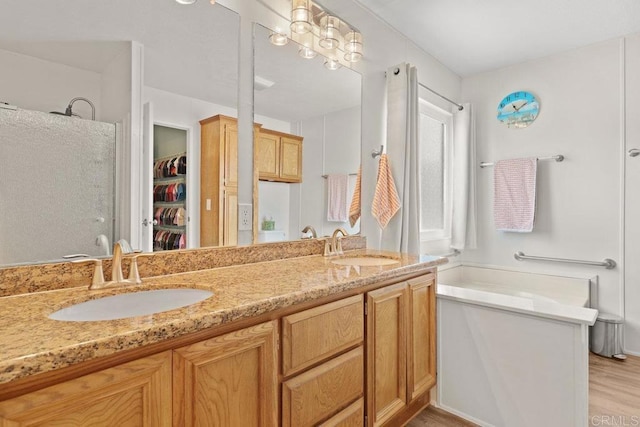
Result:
[{"x": 513, "y": 347}]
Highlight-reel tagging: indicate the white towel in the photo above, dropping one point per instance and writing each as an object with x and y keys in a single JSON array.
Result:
[
  {"x": 337, "y": 208},
  {"x": 514, "y": 198}
]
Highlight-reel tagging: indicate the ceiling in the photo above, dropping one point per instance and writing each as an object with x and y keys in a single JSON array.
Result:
[{"x": 474, "y": 36}]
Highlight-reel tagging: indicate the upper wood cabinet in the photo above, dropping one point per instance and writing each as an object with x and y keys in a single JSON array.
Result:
[
  {"x": 133, "y": 394},
  {"x": 218, "y": 181},
  {"x": 278, "y": 156},
  {"x": 230, "y": 380}
]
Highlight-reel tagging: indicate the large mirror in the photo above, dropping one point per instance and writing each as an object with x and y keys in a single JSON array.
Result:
[
  {"x": 180, "y": 61},
  {"x": 300, "y": 100}
]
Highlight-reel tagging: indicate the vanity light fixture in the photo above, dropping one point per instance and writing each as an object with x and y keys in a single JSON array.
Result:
[
  {"x": 278, "y": 39},
  {"x": 331, "y": 64},
  {"x": 301, "y": 16},
  {"x": 353, "y": 46},
  {"x": 329, "y": 32},
  {"x": 306, "y": 46},
  {"x": 307, "y": 53},
  {"x": 186, "y": 1}
]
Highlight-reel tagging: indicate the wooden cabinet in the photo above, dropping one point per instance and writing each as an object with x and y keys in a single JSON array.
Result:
[
  {"x": 278, "y": 156},
  {"x": 135, "y": 394},
  {"x": 218, "y": 181},
  {"x": 400, "y": 349},
  {"x": 319, "y": 337},
  {"x": 333, "y": 372},
  {"x": 230, "y": 380}
]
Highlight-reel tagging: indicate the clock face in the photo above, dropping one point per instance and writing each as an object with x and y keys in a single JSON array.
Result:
[{"x": 518, "y": 109}]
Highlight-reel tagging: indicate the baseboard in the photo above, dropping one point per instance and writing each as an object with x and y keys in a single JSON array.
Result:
[{"x": 463, "y": 415}]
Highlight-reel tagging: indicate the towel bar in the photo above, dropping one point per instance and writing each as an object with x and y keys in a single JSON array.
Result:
[
  {"x": 607, "y": 263},
  {"x": 557, "y": 158}
]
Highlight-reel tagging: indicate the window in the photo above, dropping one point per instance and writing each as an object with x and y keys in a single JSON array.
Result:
[{"x": 436, "y": 128}]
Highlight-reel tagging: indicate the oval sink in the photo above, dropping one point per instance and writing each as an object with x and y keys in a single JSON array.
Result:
[
  {"x": 365, "y": 261},
  {"x": 130, "y": 305}
]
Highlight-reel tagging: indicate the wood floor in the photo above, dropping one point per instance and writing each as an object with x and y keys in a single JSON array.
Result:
[{"x": 614, "y": 396}]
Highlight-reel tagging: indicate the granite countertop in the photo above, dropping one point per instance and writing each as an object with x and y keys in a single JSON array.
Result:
[{"x": 32, "y": 343}]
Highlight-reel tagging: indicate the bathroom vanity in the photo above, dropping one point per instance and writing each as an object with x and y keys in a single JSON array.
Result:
[{"x": 293, "y": 342}]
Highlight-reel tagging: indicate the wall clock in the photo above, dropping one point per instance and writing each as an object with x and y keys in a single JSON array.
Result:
[{"x": 518, "y": 109}]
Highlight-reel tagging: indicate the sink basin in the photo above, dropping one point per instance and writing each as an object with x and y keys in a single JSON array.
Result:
[
  {"x": 130, "y": 305},
  {"x": 365, "y": 261}
]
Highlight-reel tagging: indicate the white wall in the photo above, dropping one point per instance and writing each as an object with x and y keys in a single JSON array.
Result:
[
  {"x": 115, "y": 88},
  {"x": 632, "y": 199},
  {"x": 36, "y": 84},
  {"x": 578, "y": 211},
  {"x": 331, "y": 145}
]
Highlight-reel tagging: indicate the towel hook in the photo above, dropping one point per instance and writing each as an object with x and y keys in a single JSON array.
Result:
[{"x": 376, "y": 153}]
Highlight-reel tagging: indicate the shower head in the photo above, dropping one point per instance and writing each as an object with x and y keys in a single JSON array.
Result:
[{"x": 69, "y": 111}]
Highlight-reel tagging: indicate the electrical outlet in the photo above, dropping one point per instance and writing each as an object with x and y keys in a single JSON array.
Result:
[{"x": 245, "y": 218}]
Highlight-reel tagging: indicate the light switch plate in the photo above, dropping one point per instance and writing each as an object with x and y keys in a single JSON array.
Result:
[{"x": 245, "y": 217}]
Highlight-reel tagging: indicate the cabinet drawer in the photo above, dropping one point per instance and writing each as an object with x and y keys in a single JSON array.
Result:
[
  {"x": 314, "y": 335},
  {"x": 322, "y": 391},
  {"x": 351, "y": 416}
]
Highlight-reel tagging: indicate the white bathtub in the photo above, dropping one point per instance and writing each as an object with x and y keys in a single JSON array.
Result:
[{"x": 513, "y": 347}]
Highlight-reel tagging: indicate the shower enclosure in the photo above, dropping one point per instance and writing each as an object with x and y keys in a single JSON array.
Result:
[{"x": 56, "y": 186}]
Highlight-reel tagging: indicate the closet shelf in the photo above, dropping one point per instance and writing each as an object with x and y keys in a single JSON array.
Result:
[
  {"x": 173, "y": 156},
  {"x": 172, "y": 228},
  {"x": 175, "y": 204},
  {"x": 170, "y": 179}
]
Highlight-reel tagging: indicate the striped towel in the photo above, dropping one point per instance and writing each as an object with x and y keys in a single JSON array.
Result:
[
  {"x": 385, "y": 200},
  {"x": 354, "y": 209},
  {"x": 514, "y": 198}
]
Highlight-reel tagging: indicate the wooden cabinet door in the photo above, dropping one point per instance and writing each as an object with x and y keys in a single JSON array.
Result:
[
  {"x": 322, "y": 391},
  {"x": 134, "y": 394},
  {"x": 291, "y": 159},
  {"x": 230, "y": 380},
  {"x": 386, "y": 353},
  {"x": 268, "y": 156},
  {"x": 230, "y": 217},
  {"x": 231, "y": 155},
  {"x": 421, "y": 362}
]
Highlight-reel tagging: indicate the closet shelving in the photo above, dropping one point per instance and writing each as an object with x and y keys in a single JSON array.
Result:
[{"x": 169, "y": 202}]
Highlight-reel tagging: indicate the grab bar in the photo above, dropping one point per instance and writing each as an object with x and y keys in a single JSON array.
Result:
[{"x": 607, "y": 263}]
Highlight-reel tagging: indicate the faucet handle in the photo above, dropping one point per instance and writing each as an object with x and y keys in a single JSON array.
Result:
[
  {"x": 98, "y": 275},
  {"x": 134, "y": 273}
]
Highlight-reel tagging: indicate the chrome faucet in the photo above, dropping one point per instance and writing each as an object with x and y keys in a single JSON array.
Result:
[
  {"x": 312, "y": 230},
  {"x": 334, "y": 246}
]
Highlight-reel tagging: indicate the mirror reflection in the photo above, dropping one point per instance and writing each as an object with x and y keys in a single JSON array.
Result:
[
  {"x": 79, "y": 192},
  {"x": 308, "y": 143}
]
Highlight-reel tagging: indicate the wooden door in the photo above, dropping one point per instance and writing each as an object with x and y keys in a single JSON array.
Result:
[
  {"x": 268, "y": 156},
  {"x": 291, "y": 159},
  {"x": 421, "y": 346},
  {"x": 231, "y": 155},
  {"x": 230, "y": 217},
  {"x": 133, "y": 394},
  {"x": 230, "y": 380},
  {"x": 386, "y": 353}
]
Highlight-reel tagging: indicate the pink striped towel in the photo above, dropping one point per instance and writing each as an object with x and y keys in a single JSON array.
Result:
[{"x": 514, "y": 197}]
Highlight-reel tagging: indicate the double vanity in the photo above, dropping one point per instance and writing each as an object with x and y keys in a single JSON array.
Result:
[{"x": 304, "y": 340}]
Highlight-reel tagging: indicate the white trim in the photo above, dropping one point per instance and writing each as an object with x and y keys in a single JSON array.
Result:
[{"x": 135, "y": 144}]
